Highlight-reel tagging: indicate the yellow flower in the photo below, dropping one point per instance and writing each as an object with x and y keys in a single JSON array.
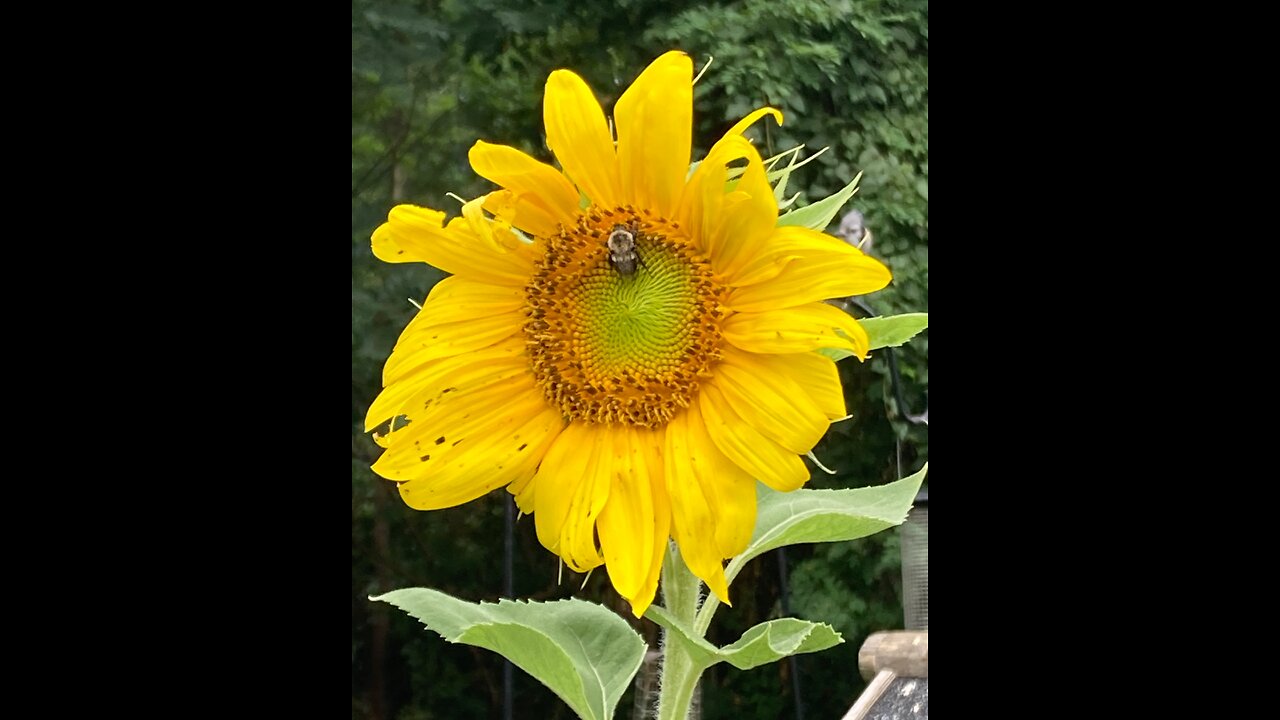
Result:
[{"x": 638, "y": 356}]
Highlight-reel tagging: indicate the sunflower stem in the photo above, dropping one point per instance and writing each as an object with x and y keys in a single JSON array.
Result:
[{"x": 680, "y": 673}]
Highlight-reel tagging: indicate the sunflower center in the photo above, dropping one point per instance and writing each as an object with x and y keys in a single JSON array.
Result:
[{"x": 623, "y": 319}]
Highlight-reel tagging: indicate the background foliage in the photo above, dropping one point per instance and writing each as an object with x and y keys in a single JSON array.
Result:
[{"x": 430, "y": 77}]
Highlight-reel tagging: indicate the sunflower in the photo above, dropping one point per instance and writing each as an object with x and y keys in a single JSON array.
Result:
[{"x": 624, "y": 344}]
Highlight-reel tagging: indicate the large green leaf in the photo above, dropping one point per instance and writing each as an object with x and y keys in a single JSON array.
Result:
[
  {"x": 765, "y": 643},
  {"x": 894, "y": 330},
  {"x": 809, "y": 516},
  {"x": 818, "y": 215},
  {"x": 586, "y": 654}
]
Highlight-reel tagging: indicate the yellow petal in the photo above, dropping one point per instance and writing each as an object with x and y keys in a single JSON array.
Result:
[
  {"x": 693, "y": 518},
  {"x": 523, "y": 487},
  {"x": 429, "y": 380},
  {"x": 815, "y": 374},
  {"x": 435, "y": 338},
  {"x": 746, "y": 122},
  {"x": 533, "y": 182},
  {"x": 522, "y": 490},
  {"x": 655, "y": 131},
  {"x": 777, "y": 405},
  {"x": 495, "y": 233},
  {"x": 458, "y": 298},
  {"x": 626, "y": 525},
  {"x": 704, "y": 197},
  {"x": 784, "y": 245},
  {"x": 704, "y": 205},
  {"x": 414, "y": 234},
  {"x": 570, "y": 496},
  {"x": 744, "y": 226},
  {"x": 796, "y": 329},
  {"x": 765, "y": 459},
  {"x": 434, "y": 431},
  {"x": 661, "y": 531},
  {"x": 730, "y": 491},
  {"x": 490, "y": 458},
  {"x": 521, "y": 212},
  {"x": 817, "y": 267},
  {"x": 579, "y": 136}
]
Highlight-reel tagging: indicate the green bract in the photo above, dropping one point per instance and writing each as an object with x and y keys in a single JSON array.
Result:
[{"x": 818, "y": 215}]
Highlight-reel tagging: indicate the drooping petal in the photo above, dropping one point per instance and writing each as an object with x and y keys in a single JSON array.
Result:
[
  {"x": 796, "y": 329},
  {"x": 816, "y": 267},
  {"x": 661, "y": 530},
  {"x": 775, "y": 404},
  {"x": 434, "y": 429},
  {"x": 751, "y": 119},
  {"x": 627, "y": 524},
  {"x": 738, "y": 439},
  {"x": 729, "y": 489},
  {"x": 415, "y": 234},
  {"x": 655, "y": 132},
  {"x": 570, "y": 495},
  {"x": 433, "y": 418},
  {"x": 694, "y": 520},
  {"x": 435, "y": 377},
  {"x": 532, "y": 182},
  {"x": 493, "y": 456},
  {"x": 579, "y": 136}
]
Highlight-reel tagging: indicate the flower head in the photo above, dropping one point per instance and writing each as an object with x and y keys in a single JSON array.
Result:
[{"x": 632, "y": 360}]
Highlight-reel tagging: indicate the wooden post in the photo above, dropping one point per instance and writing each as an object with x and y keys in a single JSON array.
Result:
[{"x": 904, "y": 652}]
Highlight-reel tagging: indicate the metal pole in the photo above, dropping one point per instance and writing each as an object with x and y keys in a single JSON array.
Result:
[
  {"x": 508, "y": 591},
  {"x": 786, "y": 612}
]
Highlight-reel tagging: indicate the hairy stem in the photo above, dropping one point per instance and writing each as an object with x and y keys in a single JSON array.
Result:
[{"x": 680, "y": 674}]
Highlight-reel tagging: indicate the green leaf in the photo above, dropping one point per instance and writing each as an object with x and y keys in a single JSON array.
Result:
[
  {"x": 836, "y": 354},
  {"x": 586, "y": 654},
  {"x": 771, "y": 641},
  {"x": 809, "y": 516},
  {"x": 894, "y": 330},
  {"x": 765, "y": 643},
  {"x": 818, "y": 215}
]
